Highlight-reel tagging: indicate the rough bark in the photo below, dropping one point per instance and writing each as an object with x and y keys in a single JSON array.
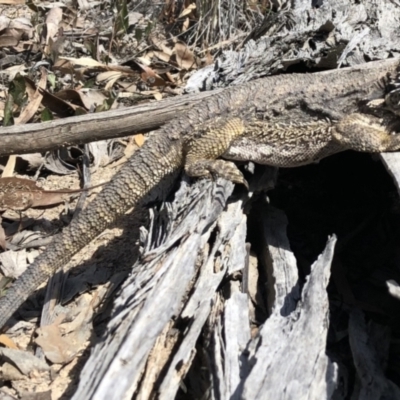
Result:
[{"x": 23, "y": 139}]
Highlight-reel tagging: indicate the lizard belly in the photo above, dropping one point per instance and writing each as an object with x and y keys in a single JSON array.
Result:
[
  {"x": 284, "y": 145},
  {"x": 278, "y": 156}
]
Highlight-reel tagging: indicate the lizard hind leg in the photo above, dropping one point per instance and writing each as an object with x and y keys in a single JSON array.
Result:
[
  {"x": 364, "y": 133},
  {"x": 202, "y": 153}
]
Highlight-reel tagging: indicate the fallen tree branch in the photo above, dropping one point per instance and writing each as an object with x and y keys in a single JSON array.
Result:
[{"x": 88, "y": 128}]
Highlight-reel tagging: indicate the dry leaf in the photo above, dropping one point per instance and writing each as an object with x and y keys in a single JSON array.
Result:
[
  {"x": 25, "y": 46},
  {"x": 83, "y": 62},
  {"x": 54, "y": 16},
  {"x": 64, "y": 66},
  {"x": 208, "y": 58},
  {"x": 60, "y": 343},
  {"x": 158, "y": 96},
  {"x": 145, "y": 59},
  {"x": 22, "y": 24},
  {"x": 110, "y": 77},
  {"x": 133, "y": 143},
  {"x": 8, "y": 41},
  {"x": 184, "y": 56},
  {"x": 21, "y": 28},
  {"x": 56, "y": 347},
  {"x": 171, "y": 79},
  {"x": 9, "y": 168},
  {"x": 4, "y": 22},
  {"x": 84, "y": 5},
  {"x": 185, "y": 25},
  {"x": 7, "y": 342},
  {"x": 34, "y": 160},
  {"x": 91, "y": 63},
  {"x": 87, "y": 65},
  {"x": 35, "y": 98},
  {"x": 134, "y": 17},
  {"x": 139, "y": 139},
  {"x": 20, "y": 194},
  {"x": 53, "y": 19},
  {"x": 150, "y": 77},
  {"x": 13, "y": 263},
  {"x": 26, "y": 362},
  {"x": 187, "y": 10},
  {"x": 87, "y": 98},
  {"x": 3, "y": 243},
  {"x": 161, "y": 44},
  {"x": 53, "y": 103},
  {"x": 161, "y": 55},
  {"x": 130, "y": 88},
  {"x": 14, "y": 70}
]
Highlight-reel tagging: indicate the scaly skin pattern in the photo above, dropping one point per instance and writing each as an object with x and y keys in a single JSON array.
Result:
[{"x": 286, "y": 120}]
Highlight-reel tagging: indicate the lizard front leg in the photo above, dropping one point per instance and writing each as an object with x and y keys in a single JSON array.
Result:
[
  {"x": 202, "y": 152},
  {"x": 364, "y": 133}
]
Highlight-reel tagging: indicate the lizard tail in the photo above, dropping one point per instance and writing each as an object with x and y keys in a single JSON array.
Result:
[{"x": 145, "y": 177}]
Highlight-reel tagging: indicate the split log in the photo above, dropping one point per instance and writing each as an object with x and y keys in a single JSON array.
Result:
[{"x": 179, "y": 294}]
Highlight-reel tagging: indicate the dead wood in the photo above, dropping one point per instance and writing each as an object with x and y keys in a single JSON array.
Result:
[
  {"x": 180, "y": 294},
  {"x": 23, "y": 139}
]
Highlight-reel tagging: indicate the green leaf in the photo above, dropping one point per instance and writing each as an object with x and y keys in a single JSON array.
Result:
[
  {"x": 91, "y": 46},
  {"x": 138, "y": 34},
  {"x": 80, "y": 111},
  {"x": 106, "y": 105},
  {"x": 46, "y": 115},
  {"x": 122, "y": 20},
  {"x": 148, "y": 29},
  {"x": 51, "y": 78},
  {"x": 90, "y": 83},
  {"x": 17, "y": 90},
  {"x": 8, "y": 111}
]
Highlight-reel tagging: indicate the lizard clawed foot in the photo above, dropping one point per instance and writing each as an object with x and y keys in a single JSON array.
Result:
[{"x": 214, "y": 168}]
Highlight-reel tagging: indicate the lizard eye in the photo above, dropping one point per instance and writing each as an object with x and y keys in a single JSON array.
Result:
[{"x": 393, "y": 99}]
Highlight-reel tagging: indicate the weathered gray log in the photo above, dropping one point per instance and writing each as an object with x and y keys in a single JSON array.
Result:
[
  {"x": 181, "y": 285},
  {"x": 290, "y": 350},
  {"x": 30, "y": 138},
  {"x": 370, "y": 348},
  {"x": 155, "y": 295}
]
